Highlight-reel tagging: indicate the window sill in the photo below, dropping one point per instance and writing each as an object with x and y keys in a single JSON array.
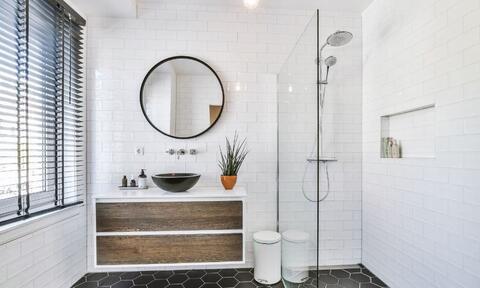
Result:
[{"x": 16, "y": 230}]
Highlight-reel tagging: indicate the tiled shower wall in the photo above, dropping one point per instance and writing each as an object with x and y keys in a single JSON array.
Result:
[
  {"x": 247, "y": 48},
  {"x": 421, "y": 216}
]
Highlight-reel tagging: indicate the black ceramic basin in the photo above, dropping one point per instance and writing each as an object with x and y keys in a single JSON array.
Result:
[{"x": 176, "y": 182}]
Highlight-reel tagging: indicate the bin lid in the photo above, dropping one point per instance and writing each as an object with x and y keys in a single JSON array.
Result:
[
  {"x": 266, "y": 237},
  {"x": 295, "y": 236}
]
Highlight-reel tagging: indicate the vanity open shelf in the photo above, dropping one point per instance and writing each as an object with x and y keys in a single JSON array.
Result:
[{"x": 158, "y": 228}]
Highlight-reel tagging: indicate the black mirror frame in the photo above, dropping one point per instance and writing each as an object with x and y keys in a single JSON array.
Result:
[{"x": 173, "y": 58}]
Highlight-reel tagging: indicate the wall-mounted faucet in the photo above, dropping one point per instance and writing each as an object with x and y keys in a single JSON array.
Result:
[{"x": 181, "y": 152}]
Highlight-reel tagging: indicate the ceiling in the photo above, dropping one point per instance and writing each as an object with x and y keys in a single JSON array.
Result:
[
  {"x": 127, "y": 8},
  {"x": 346, "y": 5}
]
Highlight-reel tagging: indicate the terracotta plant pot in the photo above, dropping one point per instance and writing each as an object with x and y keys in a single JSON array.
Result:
[{"x": 229, "y": 182}]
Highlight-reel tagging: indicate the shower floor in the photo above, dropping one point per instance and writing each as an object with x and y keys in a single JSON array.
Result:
[
  {"x": 220, "y": 278},
  {"x": 359, "y": 277}
]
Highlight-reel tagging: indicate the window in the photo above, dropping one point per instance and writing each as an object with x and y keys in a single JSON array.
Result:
[{"x": 41, "y": 108}]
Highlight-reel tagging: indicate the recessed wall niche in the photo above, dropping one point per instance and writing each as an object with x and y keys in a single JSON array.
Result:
[{"x": 412, "y": 129}]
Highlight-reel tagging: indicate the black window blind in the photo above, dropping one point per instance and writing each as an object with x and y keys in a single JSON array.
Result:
[{"x": 42, "y": 152}]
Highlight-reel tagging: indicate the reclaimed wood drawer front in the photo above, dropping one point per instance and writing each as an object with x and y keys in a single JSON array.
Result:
[
  {"x": 124, "y": 250},
  {"x": 169, "y": 216}
]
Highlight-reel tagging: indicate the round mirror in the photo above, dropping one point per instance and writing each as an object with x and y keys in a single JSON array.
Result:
[{"x": 182, "y": 97}]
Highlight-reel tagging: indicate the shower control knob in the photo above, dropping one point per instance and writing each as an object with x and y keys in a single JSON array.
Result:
[{"x": 170, "y": 151}]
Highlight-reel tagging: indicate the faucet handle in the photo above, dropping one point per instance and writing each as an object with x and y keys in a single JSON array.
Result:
[
  {"x": 181, "y": 152},
  {"x": 170, "y": 151}
]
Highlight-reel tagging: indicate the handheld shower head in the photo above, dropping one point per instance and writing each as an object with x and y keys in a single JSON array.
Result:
[
  {"x": 339, "y": 38},
  {"x": 330, "y": 61}
]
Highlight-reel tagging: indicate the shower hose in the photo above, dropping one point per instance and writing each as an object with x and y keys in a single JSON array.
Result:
[{"x": 312, "y": 154}]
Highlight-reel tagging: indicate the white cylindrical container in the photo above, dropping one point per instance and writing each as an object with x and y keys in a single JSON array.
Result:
[
  {"x": 295, "y": 256},
  {"x": 267, "y": 252}
]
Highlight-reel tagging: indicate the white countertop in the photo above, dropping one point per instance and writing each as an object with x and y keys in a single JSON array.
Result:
[{"x": 157, "y": 193}]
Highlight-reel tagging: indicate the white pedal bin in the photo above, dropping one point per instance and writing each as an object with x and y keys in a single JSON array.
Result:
[
  {"x": 295, "y": 256},
  {"x": 267, "y": 252}
]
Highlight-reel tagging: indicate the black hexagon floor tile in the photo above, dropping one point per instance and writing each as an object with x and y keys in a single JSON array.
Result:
[
  {"x": 159, "y": 283},
  {"x": 368, "y": 285},
  {"x": 87, "y": 285},
  {"x": 340, "y": 274},
  {"x": 246, "y": 285},
  {"x": 228, "y": 282},
  {"x": 123, "y": 284},
  {"x": 361, "y": 278},
  {"x": 193, "y": 283},
  {"x": 177, "y": 278},
  {"x": 211, "y": 285},
  {"x": 162, "y": 274},
  {"x": 109, "y": 280},
  {"x": 228, "y": 272},
  {"x": 244, "y": 276},
  {"x": 143, "y": 280},
  {"x": 348, "y": 283},
  {"x": 226, "y": 278},
  {"x": 192, "y": 274},
  {"x": 211, "y": 278},
  {"x": 129, "y": 275},
  {"x": 328, "y": 279}
]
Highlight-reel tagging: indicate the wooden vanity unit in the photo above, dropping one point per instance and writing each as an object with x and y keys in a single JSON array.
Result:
[{"x": 155, "y": 228}]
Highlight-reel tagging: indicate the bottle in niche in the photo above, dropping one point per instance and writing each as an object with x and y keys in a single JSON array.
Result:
[
  {"x": 395, "y": 149},
  {"x": 142, "y": 179},
  {"x": 389, "y": 147},
  {"x": 124, "y": 181},
  {"x": 385, "y": 147},
  {"x": 399, "y": 149}
]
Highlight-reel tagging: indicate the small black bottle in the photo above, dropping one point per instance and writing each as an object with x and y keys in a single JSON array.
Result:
[{"x": 124, "y": 181}]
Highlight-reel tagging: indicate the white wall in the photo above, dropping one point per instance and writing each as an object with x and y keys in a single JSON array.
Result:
[
  {"x": 246, "y": 48},
  {"x": 49, "y": 251},
  {"x": 421, "y": 217}
]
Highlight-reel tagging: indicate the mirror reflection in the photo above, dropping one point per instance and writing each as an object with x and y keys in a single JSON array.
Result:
[{"x": 182, "y": 97}]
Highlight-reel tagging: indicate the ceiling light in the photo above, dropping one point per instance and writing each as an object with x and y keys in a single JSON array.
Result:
[{"x": 251, "y": 4}]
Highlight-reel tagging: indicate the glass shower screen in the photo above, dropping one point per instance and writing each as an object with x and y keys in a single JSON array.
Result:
[{"x": 298, "y": 141}]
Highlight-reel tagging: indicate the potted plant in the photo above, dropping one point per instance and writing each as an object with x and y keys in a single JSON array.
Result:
[{"x": 231, "y": 161}]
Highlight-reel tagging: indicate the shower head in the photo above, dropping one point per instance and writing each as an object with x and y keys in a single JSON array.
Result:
[
  {"x": 339, "y": 38},
  {"x": 330, "y": 61}
]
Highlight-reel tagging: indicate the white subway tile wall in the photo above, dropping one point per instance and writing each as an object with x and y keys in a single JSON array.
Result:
[
  {"x": 247, "y": 49},
  {"x": 421, "y": 217},
  {"x": 53, "y": 256}
]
